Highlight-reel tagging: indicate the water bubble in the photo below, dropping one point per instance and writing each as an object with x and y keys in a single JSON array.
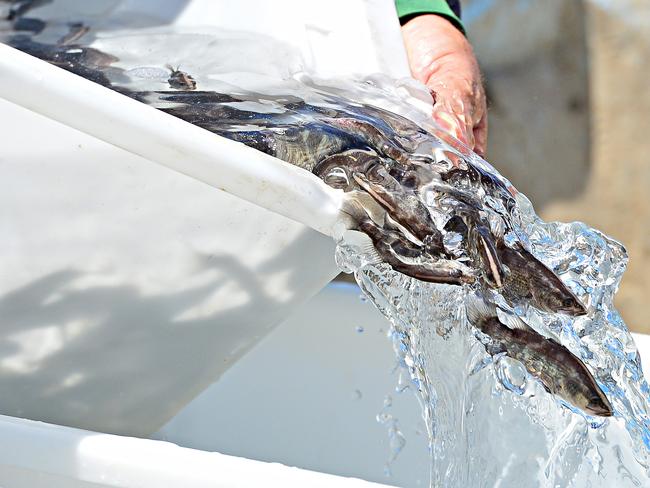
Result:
[
  {"x": 512, "y": 374},
  {"x": 359, "y": 329},
  {"x": 388, "y": 401},
  {"x": 383, "y": 417}
]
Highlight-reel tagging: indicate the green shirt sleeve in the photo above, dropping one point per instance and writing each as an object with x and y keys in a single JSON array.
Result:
[{"x": 407, "y": 9}]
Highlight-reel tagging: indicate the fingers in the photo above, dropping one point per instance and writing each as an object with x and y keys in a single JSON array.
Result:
[
  {"x": 480, "y": 136},
  {"x": 463, "y": 116},
  {"x": 451, "y": 123}
]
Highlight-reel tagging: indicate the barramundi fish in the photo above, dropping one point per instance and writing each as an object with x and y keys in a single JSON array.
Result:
[
  {"x": 367, "y": 152},
  {"x": 560, "y": 372}
]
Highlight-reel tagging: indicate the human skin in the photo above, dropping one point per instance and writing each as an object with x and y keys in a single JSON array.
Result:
[{"x": 442, "y": 58}]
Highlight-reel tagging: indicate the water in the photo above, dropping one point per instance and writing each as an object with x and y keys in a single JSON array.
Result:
[
  {"x": 396, "y": 439},
  {"x": 489, "y": 421}
]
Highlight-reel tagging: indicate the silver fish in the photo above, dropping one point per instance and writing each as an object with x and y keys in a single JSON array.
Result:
[{"x": 560, "y": 372}]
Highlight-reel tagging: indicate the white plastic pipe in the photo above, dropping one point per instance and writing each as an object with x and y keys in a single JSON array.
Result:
[
  {"x": 224, "y": 164},
  {"x": 36, "y": 454}
]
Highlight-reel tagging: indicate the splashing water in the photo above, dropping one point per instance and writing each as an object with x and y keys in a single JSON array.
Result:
[
  {"x": 396, "y": 439},
  {"x": 489, "y": 421}
]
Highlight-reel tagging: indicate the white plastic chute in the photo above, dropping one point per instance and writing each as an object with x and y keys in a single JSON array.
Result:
[{"x": 126, "y": 288}]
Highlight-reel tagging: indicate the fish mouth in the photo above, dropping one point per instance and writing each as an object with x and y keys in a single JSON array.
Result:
[
  {"x": 574, "y": 308},
  {"x": 600, "y": 409}
]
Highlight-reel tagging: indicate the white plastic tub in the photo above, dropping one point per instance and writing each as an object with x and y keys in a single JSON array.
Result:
[
  {"x": 126, "y": 287},
  {"x": 37, "y": 455},
  {"x": 306, "y": 396}
]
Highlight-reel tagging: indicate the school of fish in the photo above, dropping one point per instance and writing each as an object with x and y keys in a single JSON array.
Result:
[{"x": 430, "y": 214}]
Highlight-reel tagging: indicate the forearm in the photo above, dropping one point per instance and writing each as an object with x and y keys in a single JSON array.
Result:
[{"x": 441, "y": 57}]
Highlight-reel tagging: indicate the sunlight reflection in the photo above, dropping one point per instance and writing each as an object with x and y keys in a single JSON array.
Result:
[{"x": 35, "y": 345}]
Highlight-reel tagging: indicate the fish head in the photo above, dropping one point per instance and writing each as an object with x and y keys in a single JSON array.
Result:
[
  {"x": 593, "y": 401},
  {"x": 561, "y": 299},
  {"x": 600, "y": 407},
  {"x": 549, "y": 292},
  {"x": 336, "y": 170},
  {"x": 379, "y": 175},
  {"x": 581, "y": 390}
]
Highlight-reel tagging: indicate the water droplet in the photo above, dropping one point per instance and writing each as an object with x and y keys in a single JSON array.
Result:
[
  {"x": 403, "y": 382},
  {"x": 359, "y": 329},
  {"x": 397, "y": 441},
  {"x": 512, "y": 375},
  {"x": 388, "y": 401},
  {"x": 357, "y": 395},
  {"x": 383, "y": 417}
]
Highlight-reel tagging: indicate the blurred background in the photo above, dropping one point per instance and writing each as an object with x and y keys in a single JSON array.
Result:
[{"x": 567, "y": 84}]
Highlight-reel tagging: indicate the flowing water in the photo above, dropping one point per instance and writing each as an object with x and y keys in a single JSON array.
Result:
[{"x": 491, "y": 421}]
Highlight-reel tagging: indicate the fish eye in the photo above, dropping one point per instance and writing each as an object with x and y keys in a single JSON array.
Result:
[{"x": 568, "y": 302}]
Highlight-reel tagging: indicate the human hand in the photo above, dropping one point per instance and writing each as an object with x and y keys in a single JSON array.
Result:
[{"x": 442, "y": 58}]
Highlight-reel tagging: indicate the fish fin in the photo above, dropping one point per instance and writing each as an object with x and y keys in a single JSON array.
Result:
[
  {"x": 354, "y": 209},
  {"x": 364, "y": 243},
  {"x": 497, "y": 228},
  {"x": 512, "y": 321},
  {"x": 368, "y": 206},
  {"x": 376, "y": 191},
  {"x": 478, "y": 309},
  {"x": 489, "y": 253}
]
